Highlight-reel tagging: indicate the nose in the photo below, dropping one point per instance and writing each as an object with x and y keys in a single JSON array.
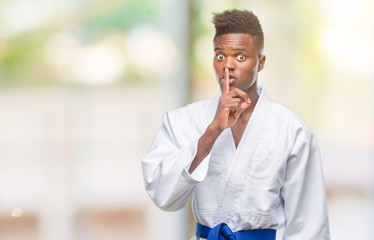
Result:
[{"x": 229, "y": 63}]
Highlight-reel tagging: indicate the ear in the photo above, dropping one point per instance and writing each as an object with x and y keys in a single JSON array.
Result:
[{"x": 261, "y": 63}]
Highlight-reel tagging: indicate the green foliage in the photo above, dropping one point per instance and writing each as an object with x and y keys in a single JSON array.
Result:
[
  {"x": 22, "y": 56},
  {"x": 124, "y": 16}
]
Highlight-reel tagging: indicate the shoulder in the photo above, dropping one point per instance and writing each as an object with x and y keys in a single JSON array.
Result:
[
  {"x": 288, "y": 131},
  {"x": 282, "y": 112},
  {"x": 192, "y": 119},
  {"x": 289, "y": 120}
]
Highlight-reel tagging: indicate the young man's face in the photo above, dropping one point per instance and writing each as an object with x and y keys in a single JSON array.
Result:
[{"x": 240, "y": 54}]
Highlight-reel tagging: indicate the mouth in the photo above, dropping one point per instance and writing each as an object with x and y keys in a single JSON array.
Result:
[{"x": 232, "y": 79}]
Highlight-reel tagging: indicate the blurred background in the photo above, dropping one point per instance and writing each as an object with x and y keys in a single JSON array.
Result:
[{"x": 84, "y": 85}]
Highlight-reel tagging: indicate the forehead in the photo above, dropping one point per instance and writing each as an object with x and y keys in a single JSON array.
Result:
[{"x": 235, "y": 40}]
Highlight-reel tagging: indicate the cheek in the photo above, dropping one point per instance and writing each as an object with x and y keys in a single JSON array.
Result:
[
  {"x": 247, "y": 69},
  {"x": 215, "y": 65},
  {"x": 217, "y": 68},
  {"x": 251, "y": 68}
]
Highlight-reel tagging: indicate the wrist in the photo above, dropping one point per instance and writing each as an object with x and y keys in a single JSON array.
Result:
[{"x": 214, "y": 130}]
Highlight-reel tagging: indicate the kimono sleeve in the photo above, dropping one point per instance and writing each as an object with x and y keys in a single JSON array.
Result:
[
  {"x": 303, "y": 192},
  {"x": 165, "y": 174}
]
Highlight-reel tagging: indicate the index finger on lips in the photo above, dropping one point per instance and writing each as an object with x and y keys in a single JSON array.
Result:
[{"x": 226, "y": 82}]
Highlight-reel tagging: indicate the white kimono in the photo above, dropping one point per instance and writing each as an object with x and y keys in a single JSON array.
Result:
[{"x": 272, "y": 179}]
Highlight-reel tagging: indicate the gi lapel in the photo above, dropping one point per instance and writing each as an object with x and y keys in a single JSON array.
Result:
[{"x": 243, "y": 156}]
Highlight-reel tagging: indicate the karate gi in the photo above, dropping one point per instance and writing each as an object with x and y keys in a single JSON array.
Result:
[{"x": 272, "y": 179}]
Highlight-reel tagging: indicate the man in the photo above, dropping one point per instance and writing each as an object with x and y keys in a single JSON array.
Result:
[{"x": 251, "y": 165}]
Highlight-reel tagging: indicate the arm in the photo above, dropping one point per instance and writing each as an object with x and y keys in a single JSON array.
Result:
[
  {"x": 167, "y": 180},
  {"x": 204, "y": 146},
  {"x": 303, "y": 192},
  {"x": 163, "y": 167}
]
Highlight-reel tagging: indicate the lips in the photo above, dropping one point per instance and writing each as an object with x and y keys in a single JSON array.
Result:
[{"x": 231, "y": 81}]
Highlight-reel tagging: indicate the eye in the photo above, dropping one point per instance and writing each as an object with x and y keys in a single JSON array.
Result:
[
  {"x": 241, "y": 57},
  {"x": 220, "y": 56}
]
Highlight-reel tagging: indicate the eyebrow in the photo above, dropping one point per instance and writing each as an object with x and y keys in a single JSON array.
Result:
[
  {"x": 236, "y": 49},
  {"x": 241, "y": 49}
]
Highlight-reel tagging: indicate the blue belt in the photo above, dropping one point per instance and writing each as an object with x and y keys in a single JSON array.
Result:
[{"x": 223, "y": 232}]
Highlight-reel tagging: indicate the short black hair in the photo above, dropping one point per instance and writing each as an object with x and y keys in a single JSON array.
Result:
[{"x": 239, "y": 21}]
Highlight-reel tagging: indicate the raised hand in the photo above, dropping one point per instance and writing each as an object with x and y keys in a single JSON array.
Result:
[{"x": 231, "y": 104}]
